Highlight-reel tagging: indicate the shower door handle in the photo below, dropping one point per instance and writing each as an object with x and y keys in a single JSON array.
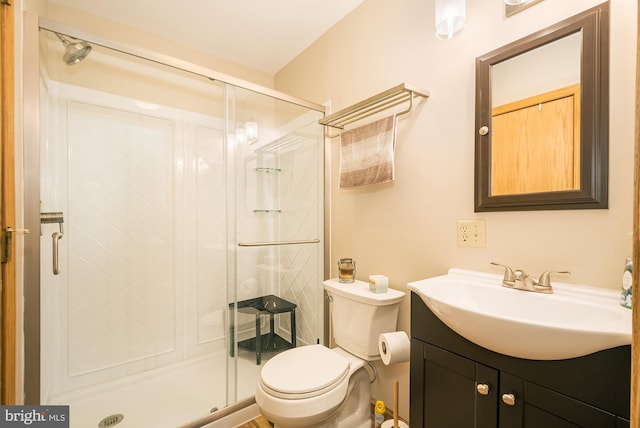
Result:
[
  {"x": 54, "y": 217},
  {"x": 56, "y": 237}
]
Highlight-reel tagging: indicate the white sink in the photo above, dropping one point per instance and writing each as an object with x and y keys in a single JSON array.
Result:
[{"x": 574, "y": 321}]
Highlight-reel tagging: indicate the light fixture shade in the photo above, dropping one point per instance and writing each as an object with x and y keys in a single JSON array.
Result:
[
  {"x": 450, "y": 17},
  {"x": 515, "y": 2},
  {"x": 252, "y": 131},
  {"x": 241, "y": 136}
]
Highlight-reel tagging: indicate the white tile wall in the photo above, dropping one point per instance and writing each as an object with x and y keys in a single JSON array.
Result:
[{"x": 120, "y": 238}]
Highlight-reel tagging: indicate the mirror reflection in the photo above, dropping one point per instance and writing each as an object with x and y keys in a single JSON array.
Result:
[
  {"x": 536, "y": 126},
  {"x": 542, "y": 123}
]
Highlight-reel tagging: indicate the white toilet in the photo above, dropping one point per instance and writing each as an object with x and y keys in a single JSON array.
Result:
[{"x": 316, "y": 387}]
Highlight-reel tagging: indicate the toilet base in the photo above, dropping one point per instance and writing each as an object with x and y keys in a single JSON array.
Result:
[{"x": 355, "y": 412}]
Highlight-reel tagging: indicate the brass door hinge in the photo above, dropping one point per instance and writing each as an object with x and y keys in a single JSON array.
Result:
[
  {"x": 5, "y": 242},
  {"x": 7, "y": 2}
]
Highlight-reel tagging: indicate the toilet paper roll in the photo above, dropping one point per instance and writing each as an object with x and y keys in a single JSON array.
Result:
[{"x": 394, "y": 347}]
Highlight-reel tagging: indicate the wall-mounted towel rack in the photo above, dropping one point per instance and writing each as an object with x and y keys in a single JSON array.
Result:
[{"x": 397, "y": 95}]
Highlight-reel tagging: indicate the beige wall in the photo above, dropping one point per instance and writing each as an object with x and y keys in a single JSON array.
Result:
[
  {"x": 122, "y": 34},
  {"x": 406, "y": 229}
]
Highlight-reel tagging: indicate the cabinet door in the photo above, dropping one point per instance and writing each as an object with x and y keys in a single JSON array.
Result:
[
  {"x": 458, "y": 393},
  {"x": 527, "y": 405},
  {"x": 622, "y": 423},
  {"x": 511, "y": 401},
  {"x": 543, "y": 406}
]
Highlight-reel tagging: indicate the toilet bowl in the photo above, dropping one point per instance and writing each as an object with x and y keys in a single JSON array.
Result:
[{"x": 315, "y": 387}]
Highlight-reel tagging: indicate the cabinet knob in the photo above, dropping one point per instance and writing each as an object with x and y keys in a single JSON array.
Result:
[
  {"x": 509, "y": 399},
  {"x": 482, "y": 388}
]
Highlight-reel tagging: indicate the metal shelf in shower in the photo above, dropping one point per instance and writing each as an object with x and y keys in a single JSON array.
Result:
[{"x": 402, "y": 93}]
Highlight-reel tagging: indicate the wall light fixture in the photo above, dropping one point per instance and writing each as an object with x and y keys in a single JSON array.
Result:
[
  {"x": 450, "y": 18},
  {"x": 246, "y": 133},
  {"x": 511, "y": 7},
  {"x": 241, "y": 135},
  {"x": 251, "y": 128}
]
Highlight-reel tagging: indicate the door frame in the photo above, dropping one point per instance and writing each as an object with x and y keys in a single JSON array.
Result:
[
  {"x": 635, "y": 345},
  {"x": 7, "y": 202}
]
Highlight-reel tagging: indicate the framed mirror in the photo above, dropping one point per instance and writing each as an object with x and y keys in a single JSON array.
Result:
[{"x": 542, "y": 119}]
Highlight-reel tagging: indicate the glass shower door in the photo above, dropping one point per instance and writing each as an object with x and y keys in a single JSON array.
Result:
[
  {"x": 133, "y": 159},
  {"x": 278, "y": 232}
]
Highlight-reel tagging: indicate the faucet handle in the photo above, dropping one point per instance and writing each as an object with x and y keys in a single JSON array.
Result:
[
  {"x": 545, "y": 278},
  {"x": 509, "y": 275}
]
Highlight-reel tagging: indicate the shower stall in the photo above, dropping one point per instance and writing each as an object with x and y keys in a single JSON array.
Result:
[{"x": 169, "y": 199}]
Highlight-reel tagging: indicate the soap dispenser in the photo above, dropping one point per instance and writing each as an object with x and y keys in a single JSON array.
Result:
[{"x": 625, "y": 296}]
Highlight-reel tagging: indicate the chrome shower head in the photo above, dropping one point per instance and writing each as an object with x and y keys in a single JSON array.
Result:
[{"x": 75, "y": 51}]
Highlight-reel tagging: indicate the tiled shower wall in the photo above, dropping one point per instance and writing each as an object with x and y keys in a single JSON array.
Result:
[
  {"x": 290, "y": 191},
  {"x": 143, "y": 280}
]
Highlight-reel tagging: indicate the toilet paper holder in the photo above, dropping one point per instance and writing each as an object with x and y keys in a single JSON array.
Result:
[{"x": 394, "y": 347}]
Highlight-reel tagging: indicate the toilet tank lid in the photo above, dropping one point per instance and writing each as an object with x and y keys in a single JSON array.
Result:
[{"x": 360, "y": 292}]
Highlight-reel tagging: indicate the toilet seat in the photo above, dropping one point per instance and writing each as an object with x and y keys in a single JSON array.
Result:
[{"x": 305, "y": 372}]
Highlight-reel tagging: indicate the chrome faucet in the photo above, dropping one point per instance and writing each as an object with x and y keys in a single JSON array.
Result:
[{"x": 520, "y": 280}]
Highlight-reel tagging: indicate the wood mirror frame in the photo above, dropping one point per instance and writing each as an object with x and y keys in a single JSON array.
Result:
[{"x": 594, "y": 118}]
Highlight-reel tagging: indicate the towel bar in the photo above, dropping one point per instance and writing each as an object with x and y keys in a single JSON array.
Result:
[
  {"x": 391, "y": 97},
  {"x": 268, "y": 244}
]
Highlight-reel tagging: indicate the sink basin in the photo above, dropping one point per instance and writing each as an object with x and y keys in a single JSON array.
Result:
[{"x": 574, "y": 321}]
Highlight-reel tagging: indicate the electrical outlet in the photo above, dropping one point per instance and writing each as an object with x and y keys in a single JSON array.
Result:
[{"x": 471, "y": 233}]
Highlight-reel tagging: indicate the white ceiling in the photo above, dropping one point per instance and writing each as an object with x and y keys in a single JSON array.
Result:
[{"x": 261, "y": 34}]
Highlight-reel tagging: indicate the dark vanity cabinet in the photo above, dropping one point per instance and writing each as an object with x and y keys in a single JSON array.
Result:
[{"x": 457, "y": 384}]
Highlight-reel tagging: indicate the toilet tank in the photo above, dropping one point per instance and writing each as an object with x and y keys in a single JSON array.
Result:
[{"x": 359, "y": 316}]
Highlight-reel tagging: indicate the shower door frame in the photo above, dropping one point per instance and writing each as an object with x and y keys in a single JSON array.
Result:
[{"x": 31, "y": 175}]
